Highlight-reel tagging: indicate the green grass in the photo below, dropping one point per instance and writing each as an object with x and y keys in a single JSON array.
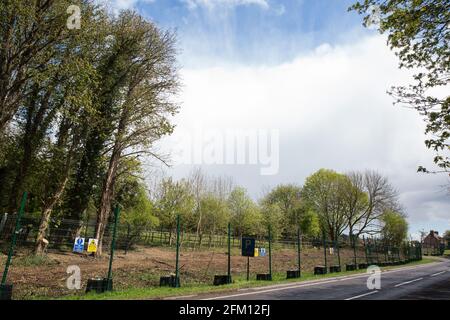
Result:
[
  {"x": 193, "y": 289},
  {"x": 32, "y": 260}
]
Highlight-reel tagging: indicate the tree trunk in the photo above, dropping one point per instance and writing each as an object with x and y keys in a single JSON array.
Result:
[
  {"x": 46, "y": 213},
  {"x": 106, "y": 198}
]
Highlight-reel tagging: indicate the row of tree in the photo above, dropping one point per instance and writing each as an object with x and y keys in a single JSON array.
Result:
[
  {"x": 329, "y": 204},
  {"x": 78, "y": 107}
]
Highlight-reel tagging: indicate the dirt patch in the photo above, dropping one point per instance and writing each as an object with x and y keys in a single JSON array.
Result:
[{"x": 143, "y": 267}]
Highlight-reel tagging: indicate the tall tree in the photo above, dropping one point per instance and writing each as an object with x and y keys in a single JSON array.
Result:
[
  {"x": 245, "y": 216},
  {"x": 29, "y": 31},
  {"x": 395, "y": 227},
  {"x": 368, "y": 194},
  {"x": 324, "y": 193},
  {"x": 287, "y": 198},
  {"x": 145, "y": 102},
  {"x": 418, "y": 32}
]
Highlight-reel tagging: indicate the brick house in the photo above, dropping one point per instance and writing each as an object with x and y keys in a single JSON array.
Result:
[{"x": 432, "y": 242}]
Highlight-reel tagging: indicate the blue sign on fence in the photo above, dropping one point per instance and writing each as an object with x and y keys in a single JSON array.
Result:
[
  {"x": 262, "y": 252},
  {"x": 78, "y": 245}
]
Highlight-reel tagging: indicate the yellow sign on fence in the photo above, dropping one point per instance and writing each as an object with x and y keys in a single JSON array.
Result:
[
  {"x": 92, "y": 245},
  {"x": 256, "y": 252}
]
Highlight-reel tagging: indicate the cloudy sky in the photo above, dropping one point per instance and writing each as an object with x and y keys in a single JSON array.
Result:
[{"x": 309, "y": 81}]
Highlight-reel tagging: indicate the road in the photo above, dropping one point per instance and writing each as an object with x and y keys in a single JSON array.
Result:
[{"x": 428, "y": 281}]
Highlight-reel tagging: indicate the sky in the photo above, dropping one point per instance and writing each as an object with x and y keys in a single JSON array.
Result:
[{"x": 306, "y": 83}]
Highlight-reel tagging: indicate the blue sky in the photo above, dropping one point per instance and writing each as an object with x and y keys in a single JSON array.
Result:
[
  {"x": 309, "y": 70},
  {"x": 259, "y": 32}
]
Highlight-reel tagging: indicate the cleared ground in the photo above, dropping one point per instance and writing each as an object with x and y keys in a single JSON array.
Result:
[{"x": 142, "y": 268}]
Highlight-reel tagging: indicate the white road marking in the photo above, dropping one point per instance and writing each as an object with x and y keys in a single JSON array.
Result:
[
  {"x": 408, "y": 282},
  {"x": 436, "y": 274},
  {"x": 180, "y": 297},
  {"x": 270, "y": 290},
  {"x": 255, "y": 291},
  {"x": 362, "y": 295}
]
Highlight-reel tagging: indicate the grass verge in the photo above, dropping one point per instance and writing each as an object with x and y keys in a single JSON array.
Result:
[{"x": 239, "y": 283}]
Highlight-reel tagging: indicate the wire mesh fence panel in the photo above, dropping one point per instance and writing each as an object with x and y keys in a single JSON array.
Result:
[{"x": 143, "y": 256}]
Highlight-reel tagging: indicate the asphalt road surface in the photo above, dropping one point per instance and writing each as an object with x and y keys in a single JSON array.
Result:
[{"x": 428, "y": 281}]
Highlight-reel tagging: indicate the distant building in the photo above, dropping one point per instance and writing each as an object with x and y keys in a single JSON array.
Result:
[{"x": 433, "y": 243}]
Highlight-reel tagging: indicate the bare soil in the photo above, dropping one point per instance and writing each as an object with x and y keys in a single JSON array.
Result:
[{"x": 143, "y": 267}]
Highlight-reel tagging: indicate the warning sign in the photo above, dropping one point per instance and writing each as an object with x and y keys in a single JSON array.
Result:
[
  {"x": 256, "y": 252},
  {"x": 78, "y": 245},
  {"x": 92, "y": 245}
]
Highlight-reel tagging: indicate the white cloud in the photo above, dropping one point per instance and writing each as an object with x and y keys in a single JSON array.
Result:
[
  {"x": 331, "y": 109},
  {"x": 210, "y": 4}
]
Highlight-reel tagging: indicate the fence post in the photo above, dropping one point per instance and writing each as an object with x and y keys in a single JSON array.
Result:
[
  {"x": 248, "y": 268},
  {"x": 270, "y": 252},
  {"x": 177, "y": 271},
  {"x": 229, "y": 253},
  {"x": 299, "y": 244},
  {"x": 324, "y": 249},
  {"x": 376, "y": 250},
  {"x": 113, "y": 247},
  {"x": 14, "y": 238},
  {"x": 338, "y": 251},
  {"x": 365, "y": 249}
]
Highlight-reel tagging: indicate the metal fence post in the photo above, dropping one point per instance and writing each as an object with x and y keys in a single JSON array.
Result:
[
  {"x": 177, "y": 271},
  {"x": 14, "y": 238},
  {"x": 299, "y": 244},
  {"x": 229, "y": 253},
  {"x": 338, "y": 251},
  {"x": 113, "y": 247},
  {"x": 270, "y": 252},
  {"x": 365, "y": 249},
  {"x": 324, "y": 250},
  {"x": 353, "y": 238}
]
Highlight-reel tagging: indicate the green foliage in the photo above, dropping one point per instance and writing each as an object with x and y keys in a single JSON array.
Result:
[
  {"x": 395, "y": 227},
  {"x": 287, "y": 199},
  {"x": 138, "y": 216},
  {"x": 245, "y": 215},
  {"x": 446, "y": 235},
  {"x": 174, "y": 198},
  {"x": 216, "y": 214},
  {"x": 272, "y": 216},
  {"x": 310, "y": 224},
  {"x": 323, "y": 193}
]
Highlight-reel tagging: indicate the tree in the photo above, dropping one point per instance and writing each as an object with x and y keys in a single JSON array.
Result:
[
  {"x": 287, "y": 198},
  {"x": 245, "y": 216},
  {"x": 216, "y": 215},
  {"x": 446, "y": 235},
  {"x": 198, "y": 184},
  {"x": 137, "y": 215},
  {"x": 174, "y": 198},
  {"x": 144, "y": 103},
  {"x": 395, "y": 227},
  {"x": 29, "y": 33},
  {"x": 310, "y": 223},
  {"x": 418, "y": 32},
  {"x": 272, "y": 217},
  {"x": 367, "y": 195},
  {"x": 324, "y": 193}
]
